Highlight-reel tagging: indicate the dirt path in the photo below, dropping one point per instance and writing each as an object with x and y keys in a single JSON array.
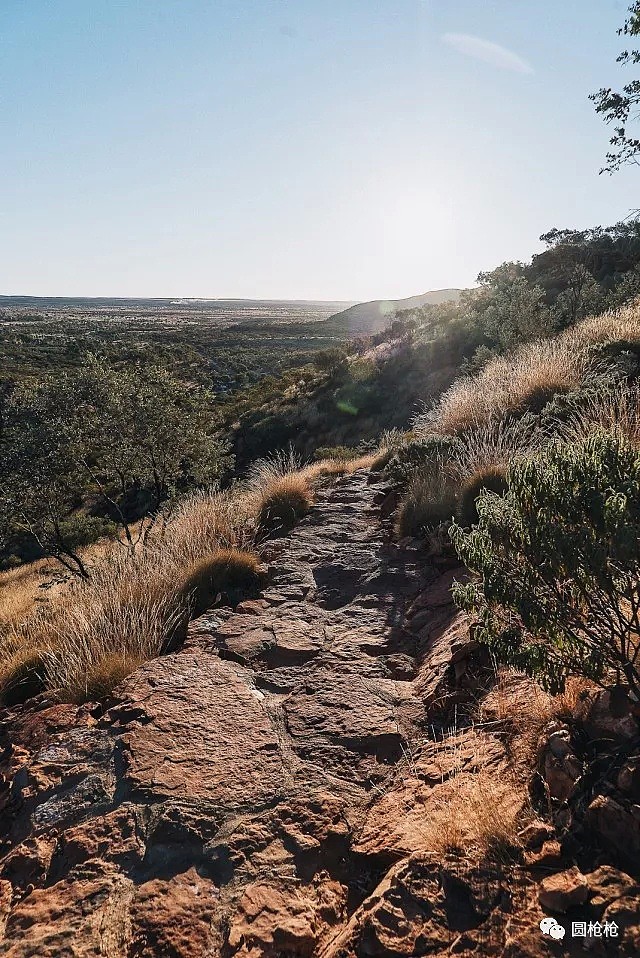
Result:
[{"x": 260, "y": 791}]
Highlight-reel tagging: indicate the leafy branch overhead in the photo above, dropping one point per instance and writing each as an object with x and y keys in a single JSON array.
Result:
[{"x": 622, "y": 108}]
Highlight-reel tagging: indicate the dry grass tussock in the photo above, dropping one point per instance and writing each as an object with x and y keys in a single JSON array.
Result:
[
  {"x": 522, "y": 381},
  {"x": 283, "y": 501},
  {"x": 614, "y": 410},
  {"x": 476, "y": 815},
  {"x": 431, "y": 499},
  {"x": 476, "y": 811},
  {"x": 519, "y": 709},
  {"x": 493, "y": 445},
  {"x": 618, "y": 325},
  {"x": 132, "y": 609},
  {"x": 449, "y": 486}
]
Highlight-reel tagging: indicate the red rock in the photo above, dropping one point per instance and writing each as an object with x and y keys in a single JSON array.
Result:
[
  {"x": 629, "y": 779},
  {"x": 173, "y": 917},
  {"x": 205, "y": 734},
  {"x": 71, "y": 918},
  {"x": 549, "y": 856},
  {"x": 6, "y": 897},
  {"x": 607, "y": 884},
  {"x": 535, "y": 834},
  {"x": 564, "y": 890},
  {"x": 277, "y": 919},
  {"x": 614, "y": 825}
]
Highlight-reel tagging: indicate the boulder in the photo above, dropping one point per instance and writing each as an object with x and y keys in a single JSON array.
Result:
[{"x": 563, "y": 891}]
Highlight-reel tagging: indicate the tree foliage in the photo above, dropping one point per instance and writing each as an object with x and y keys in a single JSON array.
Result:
[
  {"x": 558, "y": 560},
  {"x": 621, "y": 107},
  {"x": 117, "y": 441}
]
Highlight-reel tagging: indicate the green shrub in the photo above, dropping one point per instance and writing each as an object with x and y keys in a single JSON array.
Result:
[
  {"x": 558, "y": 560},
  {"x": 420, "y": 456}
]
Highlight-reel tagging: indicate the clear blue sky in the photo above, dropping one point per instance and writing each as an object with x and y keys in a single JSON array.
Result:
[{"x": 329, "y": 149}]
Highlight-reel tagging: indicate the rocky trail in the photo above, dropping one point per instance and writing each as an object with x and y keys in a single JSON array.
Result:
[{"x": 264, "y": 790}]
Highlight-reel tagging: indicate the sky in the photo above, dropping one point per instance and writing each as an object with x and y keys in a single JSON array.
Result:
[{"x": 297, "y": 149}]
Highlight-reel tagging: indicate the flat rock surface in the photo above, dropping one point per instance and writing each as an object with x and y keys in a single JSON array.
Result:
[{"x": 260, "y": 791}]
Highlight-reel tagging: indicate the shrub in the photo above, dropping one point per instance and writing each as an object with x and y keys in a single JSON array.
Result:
[
  {"x": 420, "y": 456},
  {"x": 430, "y": 501},
  {"x": 283, "y": 502},
  {"x": 231, "y": 572},
  {"x": 491, "y": 478},
  {"x": 558, "y": 559}
]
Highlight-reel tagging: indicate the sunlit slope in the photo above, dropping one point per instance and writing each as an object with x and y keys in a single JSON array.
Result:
[{"x": 377, "y": 315}]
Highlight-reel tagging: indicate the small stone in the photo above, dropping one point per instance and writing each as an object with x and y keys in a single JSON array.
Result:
[
  {"x": 548, "y": 856},
  {"x": 560, "y": 743},
  {"x": 564, "y": 890},
  {"x": 535, "y": 835},
  {"x": 607, "y": 884},
  {"x": 561, "y": 775},
  {"x": 629, "y": 778}
]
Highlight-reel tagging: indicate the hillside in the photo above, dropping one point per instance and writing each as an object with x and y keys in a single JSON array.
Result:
[
  {"x": 341, "y": 662},
  {"x": 373, "y": 317}
]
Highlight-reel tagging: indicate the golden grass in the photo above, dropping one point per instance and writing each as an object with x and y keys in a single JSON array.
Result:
[
  {"x": 20, "y": 592},
  {"x": 519, "y": 709},
  {"x": 232, "y": 572},
  {"x": 477, "y": 815},
  {"x": 283, "y": 501},
  {"x": 529, "y": 377},
  {"x": 91, "y": 634},
  {"x": 134, "y": 607},
  {"x": 22, "y": 675},
  {"x": 617, "y": 325},
  {"x": 614, "y": 410},
  {"x": 524, "y": 380},
  {"x": 100, "y": 628}
]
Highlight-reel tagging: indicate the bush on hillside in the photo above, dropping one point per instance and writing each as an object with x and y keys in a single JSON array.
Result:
[
  {"x": 430, "y": 501},
  {"x": 508, "y": 386},
  {"x": 234, "y": 573},
  {"x": 420, "y": 456},
  {"x": 558, "y": 560}
]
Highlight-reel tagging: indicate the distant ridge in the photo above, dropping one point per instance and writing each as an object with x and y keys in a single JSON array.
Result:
[{"x": 378, "y": 314}]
